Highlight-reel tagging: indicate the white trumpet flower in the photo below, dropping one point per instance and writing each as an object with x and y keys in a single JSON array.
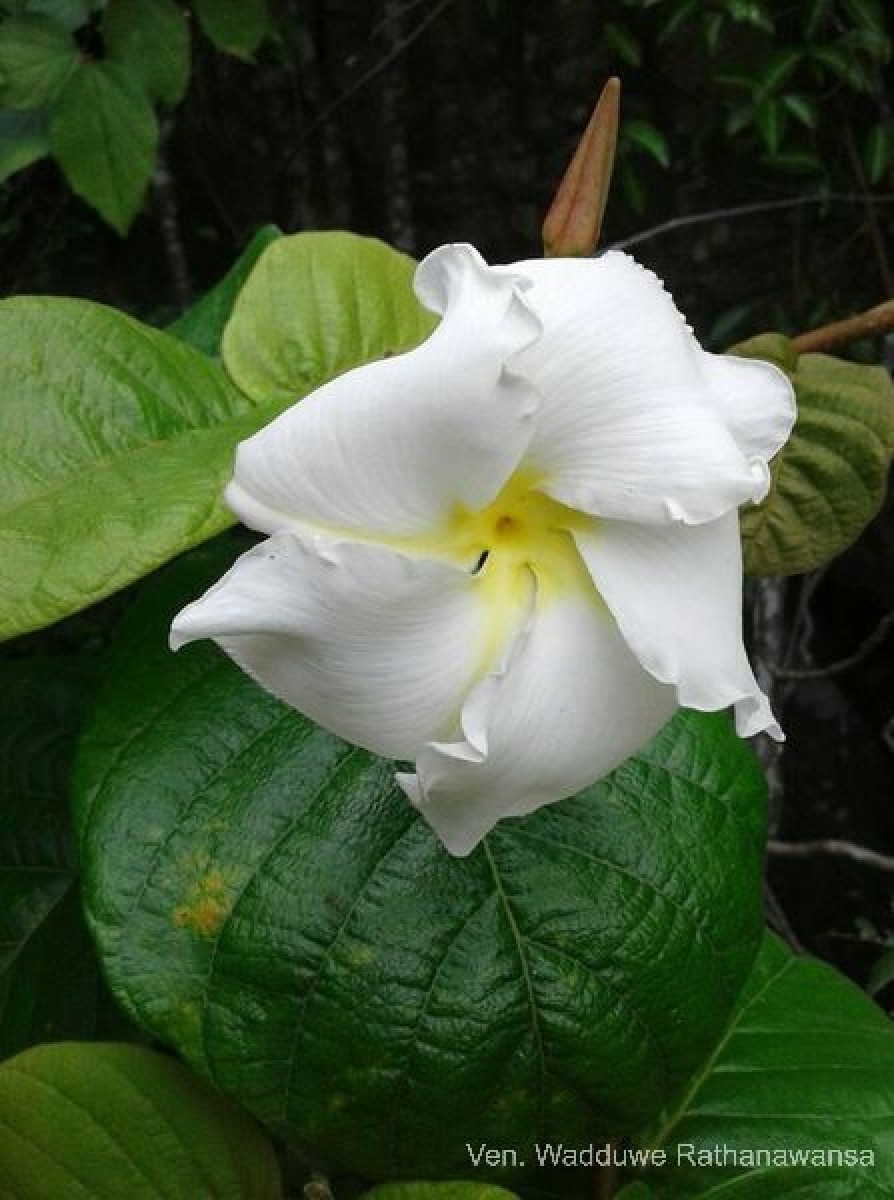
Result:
[{"x": 509, "y": 554}]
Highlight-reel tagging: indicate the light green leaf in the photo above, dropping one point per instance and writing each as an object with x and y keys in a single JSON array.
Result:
[
  {"x": 266, "y": 901},
  {"x": 235, "y": 26},
  {"x": 203, "y": 324},
  {"x": 778, "y": 69},
  {"x": 315, "y": 305},
  {"x": 651, "y": 140},
  {"x": 37, "y": 57},
  {"x": 123, "y": 442},
  {"x": 806, "y": 1064},
  {"x": 770, "y": 119},
  {"x": 829, "y": 480},
  {"x": 125, "y": 436},
  {"x": 23, "y": 140},
  {"x": 104, "y": 135},
  {"x": 105, "y": 1121},
  {"x": 150, "y": 40}
]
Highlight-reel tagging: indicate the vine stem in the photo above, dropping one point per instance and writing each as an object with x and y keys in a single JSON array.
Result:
[{"x": 871, "y": 323}]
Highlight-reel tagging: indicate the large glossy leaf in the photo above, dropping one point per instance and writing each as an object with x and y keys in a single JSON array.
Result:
[
  {"x": 150, "y": 40},
  {"x": 37, "y": 56},
  {"x": 315, "y": 305},
  {"x": 43, "y": 938},
  {"x": 104, "y": 1121},
  {"x": 829, "y": 480},
  {"x": 266, "y": 901},
  {"x": 806, "y": 1065},
  {"x": 203, "y": 324},
  {"x": 119, "y": 440},
  {"x": 103, "y": 133}
]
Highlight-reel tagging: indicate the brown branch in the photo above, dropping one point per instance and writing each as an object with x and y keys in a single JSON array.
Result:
[
  {"x": 872, "y": 323},
  {"x": 833, "y": 847},
  {"x": 860, "y": 655}
]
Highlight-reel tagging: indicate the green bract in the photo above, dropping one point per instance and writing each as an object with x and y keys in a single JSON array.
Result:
[
  {"x": 104, "y": 1122},
  {"x": 266, "y": 901},
  {"x": 124, "y": 436},
  {"x": 828, "y": 481}
]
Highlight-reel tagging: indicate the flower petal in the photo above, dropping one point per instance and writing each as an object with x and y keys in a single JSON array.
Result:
[
  {"x": 757, "y": 401},
  {"x": 676, "y": 593},
  {"x": 628, "y": 427},
  {"x": 375, "y": 646},
  {"x": 391, "y": 449},
  {"x": 571, "y": 704}
]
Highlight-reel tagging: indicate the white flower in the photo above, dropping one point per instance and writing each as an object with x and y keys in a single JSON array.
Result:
[{"x": 509, "y": 554}]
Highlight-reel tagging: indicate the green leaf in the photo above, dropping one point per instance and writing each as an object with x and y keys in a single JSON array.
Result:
[
  {"x": 814, "y": 17},
  {"x": 70, "y": 13},
  {"x": 202, "y": 325},
  {"x": 23, "y": 140},
  {"x": 777, "y": 71},
  {"x": 126, "y": 435},
  {"x": 624, "y": 44},
  {"x": 829, "y": 480},
  {"x": 868, "y": 15},
  {"x": 101, "y": 1122},
  {"x": 878, "y": 152},
  {"x": 266, "y": 901},
  {"x": 315, "y": 305},
  {"x": 235, "y": 26},
  {"x": 124, "y": 439},
  {"x": 843, "y": 65},
  {"x": 149, "y": 39},
  {"x": 104, "y": 136},
  {"x": 806, "y": 1064},
  {"x": 803, "y": 108},
  {"x": 770, "y": 119},
  {"x": 37, "y": 57},
  {"x": 437, "y": 1191},
  {"x": 882, "y": 973},
  {"x": 42, "y": 934},
  {"x": 651, "y": 140}
]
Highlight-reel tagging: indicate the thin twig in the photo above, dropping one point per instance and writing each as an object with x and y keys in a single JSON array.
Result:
[
  {"x": 378, "y": 67},
  {"x": 860, "y": 655},
  {"x": 739, "y": 210},
  {"x": 833, "y": 847},
  {"x": 872, "y": 323},
  {"x": 875, "y": 230},
  {"x": 169, "y": 225},
  {"x": 776, "y": 918}
]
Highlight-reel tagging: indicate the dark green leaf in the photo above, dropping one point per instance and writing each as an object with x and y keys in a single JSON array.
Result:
[
  {"x": 42, "y": 934},
  {"x": 807, "y": 1064},
  {"x": 37, "y": 57},
  {"x": 624, "y": 44},
  {"x": 878, "y": 152},
  {"x": 315, "y": 305},
  {"x": 843, "y": 65},
  {"x": 150, "y": 40},
  {"x": 882, "y": 973},
  {"x": 803, "y": 108},
  {"x": 104, "y": 135},
  {"x": 267, "y": 902},
  {"x": 203, "y": 324},
  {"x": 103, "y": 1122},
  {"x": 770, "y": 118},
  {"x": 815, "y": 16},
  {"x": 652, "y": 140},
  {"x": 124, "y": 441},
  {"x": 437, "y": 1191},
  {"x": 868, "y": 15},
  {"x": 23, "y": 140},
  {"x": 71, "y": 14},
  {"x": 777, "y": 71},
  {"x": 235, "y": 26},
  {"x": 829, "y": 480}
]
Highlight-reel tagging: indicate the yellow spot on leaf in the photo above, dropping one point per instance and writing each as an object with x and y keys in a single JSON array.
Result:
[{"x": 206, "y": 906}]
